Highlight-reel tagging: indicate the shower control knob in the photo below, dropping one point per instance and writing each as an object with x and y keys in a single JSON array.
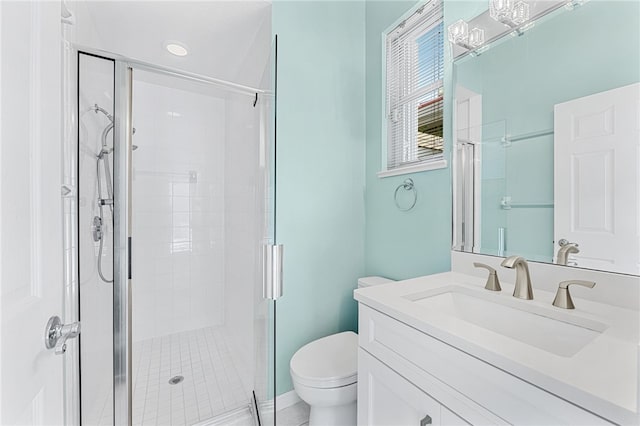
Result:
[
  {"x": 56, "y": 334},
  {"x": 97, "y": 228}
]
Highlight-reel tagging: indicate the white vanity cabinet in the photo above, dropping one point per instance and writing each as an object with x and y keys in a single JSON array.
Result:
[
  {"x": 405, "y": 375},
  {"x": 390, "y": 399}
]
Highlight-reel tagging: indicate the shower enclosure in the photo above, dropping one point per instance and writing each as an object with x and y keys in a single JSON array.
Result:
[{"x": 175, "y": 213}]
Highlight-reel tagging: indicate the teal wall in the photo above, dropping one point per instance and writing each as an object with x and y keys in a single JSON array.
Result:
[
  {"x": 400, "y": 244},
  {"x": 320, "y": 215},
  {"x": 521, "y": 79},
  {"x": 329, "y": 129},
  {"x": 330, "y": 99}
]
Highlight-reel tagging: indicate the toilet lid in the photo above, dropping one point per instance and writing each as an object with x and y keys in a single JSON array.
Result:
[{"x": 329, "y": 362}]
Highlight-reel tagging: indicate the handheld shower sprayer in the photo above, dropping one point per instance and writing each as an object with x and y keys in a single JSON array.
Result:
[{"x": 103, "y": 159}]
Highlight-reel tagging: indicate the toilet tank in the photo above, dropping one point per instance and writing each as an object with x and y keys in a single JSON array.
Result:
[{"x": 370, "y": 281}]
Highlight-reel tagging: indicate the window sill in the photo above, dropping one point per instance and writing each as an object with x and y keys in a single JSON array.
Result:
[{"x": 421, "y": 167}]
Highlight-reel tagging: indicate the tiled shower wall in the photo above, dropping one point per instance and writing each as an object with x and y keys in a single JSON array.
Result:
[{"x": 178, "y": 214}]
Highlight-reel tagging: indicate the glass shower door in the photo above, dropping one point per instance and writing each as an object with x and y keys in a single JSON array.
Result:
[
  {"x": 267, "y": 288},
  {"x": 177, "y": 193}
]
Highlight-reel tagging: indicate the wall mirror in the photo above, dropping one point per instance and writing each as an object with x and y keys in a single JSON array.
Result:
[{"x": 546, "y": 134}]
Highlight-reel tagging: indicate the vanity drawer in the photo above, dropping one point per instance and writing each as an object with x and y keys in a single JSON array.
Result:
[
  {"x": 471, "y": 388},
  {"x": 387, "y": 398}
]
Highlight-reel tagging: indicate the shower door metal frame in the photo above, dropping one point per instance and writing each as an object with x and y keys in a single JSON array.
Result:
[{"x": 122, "y": 183}]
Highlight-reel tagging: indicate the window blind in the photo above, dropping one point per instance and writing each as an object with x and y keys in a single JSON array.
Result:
[{"x": 415, "y": 71}]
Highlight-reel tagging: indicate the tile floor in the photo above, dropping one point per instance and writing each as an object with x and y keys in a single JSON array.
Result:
[
  {"x": 295, "y": 415},
  {"x": 213, "y": 382},
  {"x": 213, "y": 392}
]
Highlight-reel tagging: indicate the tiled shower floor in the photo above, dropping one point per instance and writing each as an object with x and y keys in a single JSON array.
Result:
[{"x": 213, "y": 381}]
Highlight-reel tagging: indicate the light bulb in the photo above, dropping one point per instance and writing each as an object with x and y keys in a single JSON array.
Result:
[
  {"x": 476, "y": 37},
  {"x": 501, "y": 10},
  {"x": 520, "y": 13}
]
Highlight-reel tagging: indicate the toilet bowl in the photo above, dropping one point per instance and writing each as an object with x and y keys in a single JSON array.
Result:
[{"x": 325, "y": 374}]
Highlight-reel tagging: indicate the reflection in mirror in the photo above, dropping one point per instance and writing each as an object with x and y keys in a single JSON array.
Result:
[{"x": 547, "y": 141}]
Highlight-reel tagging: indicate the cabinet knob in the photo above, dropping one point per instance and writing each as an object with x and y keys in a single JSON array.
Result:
[{"x": 426, "y": 421}]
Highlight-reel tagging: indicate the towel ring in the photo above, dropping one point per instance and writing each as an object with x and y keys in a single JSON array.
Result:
[{"x": 408, "y": 186}]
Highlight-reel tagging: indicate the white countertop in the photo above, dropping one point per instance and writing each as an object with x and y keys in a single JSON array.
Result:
[{"x": 602, "y": 377}]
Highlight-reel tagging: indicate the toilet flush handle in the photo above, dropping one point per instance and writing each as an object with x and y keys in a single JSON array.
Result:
[{"x": 426, "y": 421}]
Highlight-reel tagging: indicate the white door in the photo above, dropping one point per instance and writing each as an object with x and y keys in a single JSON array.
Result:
[
  {"x": 597, "y": 178},
  {"x": 31, "y": 289}
]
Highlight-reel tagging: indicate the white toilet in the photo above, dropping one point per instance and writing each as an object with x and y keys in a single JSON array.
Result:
[{"x": 325, "y": 374}]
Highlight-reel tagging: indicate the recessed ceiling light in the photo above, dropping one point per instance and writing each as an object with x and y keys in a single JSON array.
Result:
[{"x": 176, "y": 48}]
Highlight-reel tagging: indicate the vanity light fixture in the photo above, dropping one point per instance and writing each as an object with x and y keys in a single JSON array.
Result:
[
  {"x": 509, "y": 12},
  {"x": 459, "y": 34},
  {"x": 176, "y": 48}
]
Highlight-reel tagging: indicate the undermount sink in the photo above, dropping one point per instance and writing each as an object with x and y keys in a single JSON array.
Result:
[{"x": 548, "y": 329}]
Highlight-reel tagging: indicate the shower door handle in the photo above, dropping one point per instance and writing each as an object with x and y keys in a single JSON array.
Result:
[{"x": 272, "y": 271}]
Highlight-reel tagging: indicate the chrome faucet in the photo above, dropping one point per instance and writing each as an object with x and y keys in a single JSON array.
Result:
[
  {"x": 566, "y": 248},
  {"x": 523, "y": 288}
]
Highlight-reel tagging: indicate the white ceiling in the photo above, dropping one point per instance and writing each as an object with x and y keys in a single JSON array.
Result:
[{"x": 229, "y": 40}]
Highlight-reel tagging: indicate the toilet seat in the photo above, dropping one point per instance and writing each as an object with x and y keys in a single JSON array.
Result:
[{"x": 329, "y": 362}]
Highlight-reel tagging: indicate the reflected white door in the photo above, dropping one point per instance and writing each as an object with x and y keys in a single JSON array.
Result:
[
  {"x": 597, "y": 178},
  {"x": 31, "y": 289}
]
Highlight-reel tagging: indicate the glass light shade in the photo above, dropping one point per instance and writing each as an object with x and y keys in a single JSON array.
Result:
[
  {"x": 458, "y": 32},
  {"x": 520, "y": 13},
  {"x": 476, "y": 37},
  {"x": 501, "y": 10}
]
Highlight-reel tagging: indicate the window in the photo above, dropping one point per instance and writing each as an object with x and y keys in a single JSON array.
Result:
[{"x": 414, "y": 91}]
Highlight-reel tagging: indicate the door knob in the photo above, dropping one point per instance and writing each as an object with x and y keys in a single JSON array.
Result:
[{"x": 56, "y": 334}]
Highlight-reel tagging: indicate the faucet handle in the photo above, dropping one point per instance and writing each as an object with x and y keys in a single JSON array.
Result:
[
  {"x": 563, "y": 297},
  {"x": 566, "y": 284},
  {"x": 493, "y": 283}
]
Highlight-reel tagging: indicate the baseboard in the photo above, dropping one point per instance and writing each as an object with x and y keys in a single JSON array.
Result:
[
  {"x": 282, "y": 401},
  {"x": 287, "y": 400}
]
